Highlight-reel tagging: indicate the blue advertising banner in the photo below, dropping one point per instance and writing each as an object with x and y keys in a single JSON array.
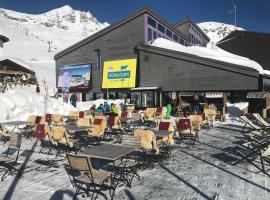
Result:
[{"x": 74, "y": 77}]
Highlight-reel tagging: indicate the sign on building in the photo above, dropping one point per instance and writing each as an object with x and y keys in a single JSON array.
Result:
[
  {"x": 119, "y": 73},
  {"x": 74, "y": 77}
]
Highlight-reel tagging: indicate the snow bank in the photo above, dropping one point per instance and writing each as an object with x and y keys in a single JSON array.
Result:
[
  {"x": 18, "y": 104},
  {"x": 212, "y": 52}
]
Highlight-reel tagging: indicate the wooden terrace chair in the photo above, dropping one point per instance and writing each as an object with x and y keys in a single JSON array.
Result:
[
  {"x": 261, "y": 120},
  {"x": 250, "y": 127},
  {"x": 89, "y": 180},
  {"x": 130, "y": 164},
  {"x": 64, "y": 141},
  {"x": 255, "y": 153},
  {"x": 57, "y": 120},
  {"x": 148, "y": 146},
  {"x": 43, "y": 134},
  {"x": 4, "y": 134},
  {"x": 187, "y": 131},
  {"x": 9, "y": 158}
]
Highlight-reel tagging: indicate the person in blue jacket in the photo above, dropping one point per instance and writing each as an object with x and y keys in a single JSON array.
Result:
[{"x": 107, "y": 107}]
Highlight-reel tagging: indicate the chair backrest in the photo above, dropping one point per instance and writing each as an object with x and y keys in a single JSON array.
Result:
[
  {"x": 40, "y": 131},
  {"x": 148, "y": 139},
  {"x": 250, "y": 123},
  {"x": 260, "y": 119},
  {"x": 15, "y": 141},
  {"x": 56, "y": 118},
  {"x": 184, "y": 123},
  {"x": 58, "y": 132},
  {"x": 158, "y": 110},
  {"x": 97, "y": 121},
  {"x": 31, "y": 119},
  {"x": 164, "y": 126},
  {"x": 81, "y": 114},
  {"x": 38, "y": 119},
  {"x": 73, "y": 113},
  {"x": 111, "y": 121},
  {"x": 124, "y": 114},
  {"x": 83, "y": 122},
  {"x": 131, "y": 140},
  {"x": 48, "y": 118}
]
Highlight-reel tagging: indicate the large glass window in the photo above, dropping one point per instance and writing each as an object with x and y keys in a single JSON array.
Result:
[
  {"x": 181, "y": 41},
  {"x": 161, "y": 28},
  {"x": 152, "y": 22},
  {"x": 168, "y": 33},
  {"x": 175, "y": 37},
  {"x": 149, "y": 34},
  {"x": 154, "y": 35},
  {"x": 148, "y": 99},
  {"x": 136, "y": 98}
]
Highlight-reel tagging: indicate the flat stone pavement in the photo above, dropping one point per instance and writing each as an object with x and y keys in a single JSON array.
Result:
[{"x": 200, "y": 171}]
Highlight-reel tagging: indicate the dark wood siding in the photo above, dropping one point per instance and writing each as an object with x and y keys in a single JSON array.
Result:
[
  {"x": 116, "y": 44},
  {"x": 175, "y": 74}
]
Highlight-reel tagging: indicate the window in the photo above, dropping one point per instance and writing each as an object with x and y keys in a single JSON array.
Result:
[
  {"x": 168, "y": 33},
  {"x": 154, "y": 35},
  {"x": 161, "y": 28},
  {"x": 159, "y": 36},
  {"x": 181, "y": 41},
  {"x": 152, "y": 22},
  {"x": 149, "y": 34},
  {"x": 175, "y": 37}
]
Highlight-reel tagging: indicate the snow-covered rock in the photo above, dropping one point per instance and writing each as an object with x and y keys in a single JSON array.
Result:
[{"x": 217, "y": 31}]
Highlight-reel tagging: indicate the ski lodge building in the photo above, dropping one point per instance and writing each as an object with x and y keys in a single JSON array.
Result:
[
  {"x": 11, "y": 67},
  {"x": 124, "y": 62}
]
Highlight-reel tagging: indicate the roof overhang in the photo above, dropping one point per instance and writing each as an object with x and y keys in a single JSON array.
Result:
[
  {"x": 4, "y": 38},
  {"x": 144, "y": 88},
  {"x": 10, "y": 66}
]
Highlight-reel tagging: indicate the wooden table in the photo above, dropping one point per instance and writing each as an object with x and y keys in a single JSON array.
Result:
[
  {"x": 109, "y": 152},
  {"x": 162, "y": 133},
  {"x": 15, "y": 124},
  {"x": 75, "y": 128}
]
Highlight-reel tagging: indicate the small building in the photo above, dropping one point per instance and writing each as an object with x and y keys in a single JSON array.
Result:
[
  {"x": 11, "y": 68},
  {"x": 124, "y": 63}
]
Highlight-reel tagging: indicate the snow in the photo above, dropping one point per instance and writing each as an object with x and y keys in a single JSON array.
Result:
[
  {"x": 18, "y": 104},
  {"x": 29, "y": 35},
  {"x": 211, "y": 51},
  {"x": 217, "y": 31}
]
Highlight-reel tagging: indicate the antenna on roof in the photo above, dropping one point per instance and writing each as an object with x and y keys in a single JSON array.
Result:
[{"x": 235, "y": 13}]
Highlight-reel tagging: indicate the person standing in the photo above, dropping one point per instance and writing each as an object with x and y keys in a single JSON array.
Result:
[
  {"x": 169, "y": 110},
  {"x": 196, "y": 104},
  {"x": 37, "y": 88},
  {"x": 107, "y": 107},
  {"x": 115, "y": 110},
  {"x": 73, "y": 100}
]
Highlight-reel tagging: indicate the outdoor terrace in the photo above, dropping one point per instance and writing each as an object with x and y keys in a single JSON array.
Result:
[{"x": 200, "y": 171}]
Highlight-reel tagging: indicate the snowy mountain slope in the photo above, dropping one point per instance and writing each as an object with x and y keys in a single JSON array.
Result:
[
  {"x": 30, "y": 36},
  {"x": 217, "y": 31},
  {"x": 62, "y": 27}
]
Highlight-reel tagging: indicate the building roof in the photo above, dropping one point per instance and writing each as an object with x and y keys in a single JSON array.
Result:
[
  {"x": 15, "y": 64},
  {"x": 114, "y": 26},
  {"x": 205, "y": 61},
  {"x": 189, "y": 20},
  {"x": 3, "y": 37},
  {"x": 253, "y": 45}
]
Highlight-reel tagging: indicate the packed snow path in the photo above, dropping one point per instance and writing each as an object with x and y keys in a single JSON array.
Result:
[{"x": 202, "y": 171}]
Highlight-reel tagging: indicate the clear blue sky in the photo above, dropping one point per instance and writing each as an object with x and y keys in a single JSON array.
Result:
[{"x": 253, "y": 15}]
